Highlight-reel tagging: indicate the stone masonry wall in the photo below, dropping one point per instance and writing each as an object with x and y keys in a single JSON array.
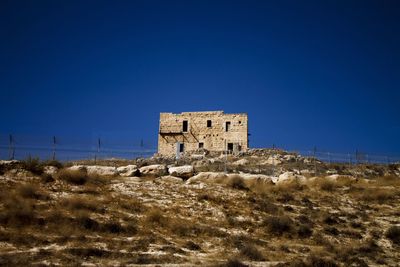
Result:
[{"x": 214, "y": 138}]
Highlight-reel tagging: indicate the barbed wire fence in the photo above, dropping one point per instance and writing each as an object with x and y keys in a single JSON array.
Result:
[{"x": 68, "y": 148}]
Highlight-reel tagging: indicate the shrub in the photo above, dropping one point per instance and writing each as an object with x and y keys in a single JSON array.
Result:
[
  {"x": 278, "y": 225},
  {"x": 192, "y": 246},
  {"x": 33, "y": 165},
  {"x": 304, "y": 231},
  {"x": 76, "y": 177},
  {"x": 327, "y": 185},
  {"x": 235, "y": 263},
  {"x": 46, "y": 178},
  {"x": 80, "y": 177},
  {"x": 237, "y": 182},
  {"x": 393, "y": 233},
  {"x": 251, "y": 252},
  {"x": 377, "y": 195},
  {"x": 79, "y": 203},
  {"x": 18, "y": 211},
  {"x": 156, "y": 216},
  {"x": 29, "y": 190}
]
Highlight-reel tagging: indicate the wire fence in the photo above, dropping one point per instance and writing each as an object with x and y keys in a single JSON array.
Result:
[{"x": 68, "y": 148}]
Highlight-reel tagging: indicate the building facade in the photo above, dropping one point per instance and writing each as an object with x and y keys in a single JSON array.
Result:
[{"x": 210, "y": 130}]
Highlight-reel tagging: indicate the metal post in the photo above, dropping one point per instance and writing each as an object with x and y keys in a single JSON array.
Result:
[
  {"x": 11, "y": 151},
  {"x": 54, "y": 148},
  {"x": 315, "y": 160}
]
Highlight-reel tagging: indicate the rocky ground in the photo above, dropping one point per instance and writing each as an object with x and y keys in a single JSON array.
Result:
[{"x": 269, "y": 208}]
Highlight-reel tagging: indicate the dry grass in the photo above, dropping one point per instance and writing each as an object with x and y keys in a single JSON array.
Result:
[
  {"x": 393, "y": 233},
  {"x": 81, "y": 177}
]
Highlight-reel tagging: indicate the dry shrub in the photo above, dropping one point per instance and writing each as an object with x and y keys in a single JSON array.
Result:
[
  {"x": 327, "y": 185},
  {"x": 192, "y": 246},
  {"x": 33, "y": 165},
  {"x": 18, "y": 211},
  {"x": 157, "y": 216},
  {"x": 279, "y": 225},
  {"x": 133, "y": 205},
  {"x": 237, "y": 182},
  {"x": 377, "y": 195},
  {"x": 211, "y": 198},
  {"x": 77, "y": 203},
  {"x": 81, "y": 177},
  {"x": 234, "y": 263},
  {"x": 31, "y": 191},
  {"x": 251, "y": 252},
  {"x": 388, "y": 180},
  {"x": 304, "y": 230},
  {"x": 393, "y": 233}
]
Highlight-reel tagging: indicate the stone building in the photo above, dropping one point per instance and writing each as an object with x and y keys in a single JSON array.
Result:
[{"x": 210, "y": 130}]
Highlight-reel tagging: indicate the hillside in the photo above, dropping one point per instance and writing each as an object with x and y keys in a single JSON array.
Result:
[{"x": 268, "y": 210}]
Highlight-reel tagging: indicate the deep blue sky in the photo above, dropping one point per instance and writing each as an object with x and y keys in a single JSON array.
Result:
[{"x": 308, "y": 73}]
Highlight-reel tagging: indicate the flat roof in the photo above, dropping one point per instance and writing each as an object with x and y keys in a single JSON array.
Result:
[{"x": 203, "y": 112}]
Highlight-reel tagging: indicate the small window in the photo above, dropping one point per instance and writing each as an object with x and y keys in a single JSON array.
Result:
[
  {"x": 209, "y": 123},
  {"x": 201, "y": 145},
  {"x": 181, "y": 147},
  {"x": 230, "y": 146},
  {"x": 227, "y": 126},
  {"x": 185, "y": 126}
]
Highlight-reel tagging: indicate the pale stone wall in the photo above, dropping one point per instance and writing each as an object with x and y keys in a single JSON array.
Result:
[{"x": 214, "y": 138}]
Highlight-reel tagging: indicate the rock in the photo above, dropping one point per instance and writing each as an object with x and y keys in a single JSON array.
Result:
[
  {"x": 271, "y": 161},
  {"x": 128, "y": 171},
  {"x": 196, "y": 156},
  {"x": 288, "y": 177},
  {"x": 207, "y": 177},
  {"x": 306, "y": 172},
  {"x": 8, "y": 162},
  {"x": 240, "y": 162},
  {"x": 171, "y": 179},
  {"x": 185, "y": 171},
  {"x": 331, "y": 171},
  {"x": 51, "y": 170},
  {"x": 98, "y": 170},
  {"x": 289, "y": 158},
  {"x": 153, "y": 170},
  {"x": 248, "y": 177}
]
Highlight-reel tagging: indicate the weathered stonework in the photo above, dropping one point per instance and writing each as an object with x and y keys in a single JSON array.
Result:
[{"x": 211, "y": 130}]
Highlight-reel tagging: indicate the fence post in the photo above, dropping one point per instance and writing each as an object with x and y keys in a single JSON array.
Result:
[
  {"x": 315, "y": 160},
  {"x": 11, "y": 150},
  {"x": 54, "y": 147}
]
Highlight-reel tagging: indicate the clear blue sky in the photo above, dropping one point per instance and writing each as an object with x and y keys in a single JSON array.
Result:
[{"x": 308, "y": 73}]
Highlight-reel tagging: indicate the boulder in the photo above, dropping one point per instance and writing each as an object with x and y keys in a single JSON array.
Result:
[
  {"x": 51, "y": 170},
  {"x": 171, "y": 179},
  {"x": 98, "y": 170},
  {"x": 271, "y": 161},
  {"x": 153, "y": 170},
  {"x": 240, "y": 162},
  {"x": 185, "y": 171},
  {"x": 288, "y": 177},
  {"x": 207, "y": 177},
  {"x": 128, "y": 171}
]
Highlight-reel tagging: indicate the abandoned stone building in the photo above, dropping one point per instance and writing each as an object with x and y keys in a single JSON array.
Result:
[{"x": 210, "y": 130}]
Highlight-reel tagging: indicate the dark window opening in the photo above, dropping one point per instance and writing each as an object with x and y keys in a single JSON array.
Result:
[
  {"x": 227, "y": 126},
  {"x": 201, "y": 145},
  {"x": 209, "y": 123},
  {"x": 230, "y": 146},
  {"x": 181, "y": 147},
  {"x": 185, "y": 126}
]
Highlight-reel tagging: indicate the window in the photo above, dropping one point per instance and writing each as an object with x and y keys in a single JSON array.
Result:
[
  {"x": 230, "y": 146},
  {"x": 185, "y": 126},
  {"x": 209, "y": 123},
  {"x": 227, "y": 126},
  {"x": 201, "y": 145},
  {"x": 181, "y": 147}
]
